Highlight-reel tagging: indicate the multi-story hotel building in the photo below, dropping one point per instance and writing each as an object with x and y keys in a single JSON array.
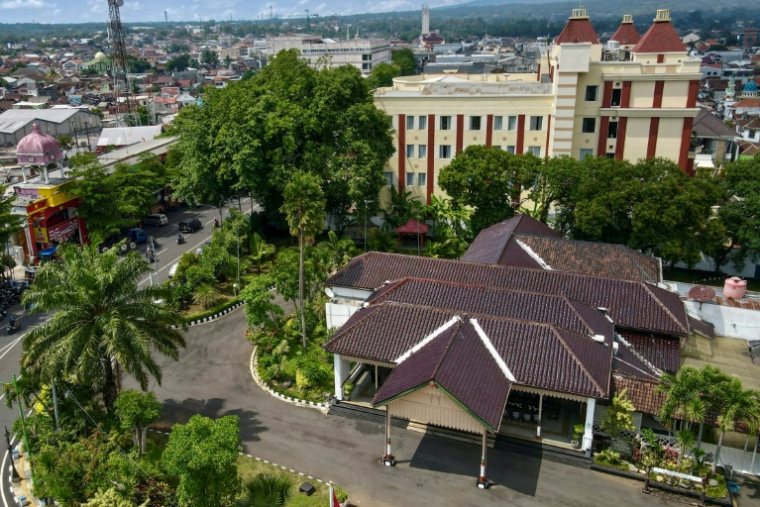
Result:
[
  {"x": 364, "y": 54},
  {"x": 633, "y": 98}
]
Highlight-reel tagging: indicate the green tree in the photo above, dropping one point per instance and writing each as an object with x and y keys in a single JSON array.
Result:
[
  {"x": 203, "y": 453},
  {"x": 209, "y": 58},
  {"x": 550, "y": 184},
  {"x": 304, "y": 207},
  {"x": 486, "y": 179},
  {"x": 178, "y": 63},
  {"x": 734, "y": 404},
  {"x": 259, "y": 251},
  {"x": 102, "y": 324},
  {"x": 253, "y": 134},
  {"x": 618, "y": 416},
  {"x": 260, "y": 309},
  {"x": 10, "y": 223},
  {"x": 66, "y": 142},
  {"x": 685, "y": 440},
  {"x": 686, "y": 396},
  {"x": 405, "y": 60},
  {"x": 4, "y": 83},
  {"x": 110, "y": 498},
  {"x": 267, "y": 491},
  {"x": 137, "y": 411},
  {"x": 382, "y": 75}
]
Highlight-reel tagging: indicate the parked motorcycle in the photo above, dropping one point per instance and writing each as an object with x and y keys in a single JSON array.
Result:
[{"x": 12, "y": 328}]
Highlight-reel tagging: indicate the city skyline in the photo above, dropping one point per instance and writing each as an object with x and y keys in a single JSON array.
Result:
[{"x": 70, "y": 11}]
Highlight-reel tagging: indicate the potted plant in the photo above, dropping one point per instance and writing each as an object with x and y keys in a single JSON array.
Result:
[{"x": 578, "y": 430}]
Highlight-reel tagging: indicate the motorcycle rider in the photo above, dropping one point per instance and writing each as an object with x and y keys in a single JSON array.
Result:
[
  {"x": 216, "y": 222},
  {"x": 12, "y": 322},
  {"x": 180, "y": 239}
]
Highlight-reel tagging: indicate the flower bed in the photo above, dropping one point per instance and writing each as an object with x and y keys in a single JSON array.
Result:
[{"x": 211, "y": 312}]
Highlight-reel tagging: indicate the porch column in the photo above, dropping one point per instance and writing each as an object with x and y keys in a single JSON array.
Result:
[
  {"x": 342, "y": 371},
  {"x": 538, "y": 421},
  {"x": 588, "y": 432},
  {"x": 482, "y": 481},
  {"x": 388, "y": 459}
]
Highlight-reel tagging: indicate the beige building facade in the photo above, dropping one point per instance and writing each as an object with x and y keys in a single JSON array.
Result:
[{"x": 633, "y": 98}]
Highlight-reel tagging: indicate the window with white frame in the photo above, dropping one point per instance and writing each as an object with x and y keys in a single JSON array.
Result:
[
  {"x": 512, "y": 123},
  {"x": 388, "y": 178},
  {"x": 421, "y": 179},
  {"x": 410, "y": 123},
  {"x": 534, "y": 150},
  {"x": 444, "y": 151},
  {"x": 498, "y": 122},
  {"x": 445, "y": 123},
  {"x": 585, "y": 152},
  {"x": 422, "y": 151},
  {"x": 422, "y": 123},
  {"x": 589, "y": 125},
  {"x": 475, "y": 122},
  {"x": 409, "y": 179},
  {"x": 409, "y": 151},
  {"x": 510, "y": 149},
  {"x": 536, "y": 122}
]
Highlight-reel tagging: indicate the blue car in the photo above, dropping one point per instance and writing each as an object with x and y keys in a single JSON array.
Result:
[{"x": 137, "y": 235}]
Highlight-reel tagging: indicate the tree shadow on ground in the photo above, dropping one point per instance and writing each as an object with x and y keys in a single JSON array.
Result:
[
  {"x": 179, "y": 412},
  {"x": 507, "y": 466}
]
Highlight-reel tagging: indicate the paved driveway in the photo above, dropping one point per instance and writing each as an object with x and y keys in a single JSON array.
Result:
[{"x": 213, "y": 378}]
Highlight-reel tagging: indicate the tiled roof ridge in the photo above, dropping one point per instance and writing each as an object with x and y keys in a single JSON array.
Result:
[
  {"x": 456, "y": 320},
  {"x": 629, "y": 252},
  {"x": 664, "y": 307},
  {"x": 570, "y": 302},
  {"x": 532, "y": 253},
  {"x": 578, "y": 361},
  {"x": 647, "y": 376},
  {"x": 336, "y": 338},
  {"x": 488, "y": 344},
  {"x": 636, "y": 353}
]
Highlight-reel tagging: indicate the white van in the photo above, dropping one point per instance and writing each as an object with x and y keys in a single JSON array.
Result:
[{"x": 157, "y": 219}]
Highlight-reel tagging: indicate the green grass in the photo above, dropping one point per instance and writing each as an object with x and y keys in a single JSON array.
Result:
[{"x": 248, "y": 468}]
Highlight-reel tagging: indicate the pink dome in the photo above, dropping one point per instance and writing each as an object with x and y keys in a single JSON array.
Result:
[{"x": 38, "y": 148}]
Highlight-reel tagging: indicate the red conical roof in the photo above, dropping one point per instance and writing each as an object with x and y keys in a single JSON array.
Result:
[
  {"x": 627, "y": 34},
  {"x": 661, "y": 37},
  {"x": 577, "y": 29}
]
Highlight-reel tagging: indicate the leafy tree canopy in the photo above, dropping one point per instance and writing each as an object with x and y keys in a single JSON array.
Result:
[
  {"x": 383, "y": 74},
  {"x": 405, "y": 60}
]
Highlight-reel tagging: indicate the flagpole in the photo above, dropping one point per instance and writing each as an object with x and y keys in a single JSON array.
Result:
[{"x": 330, "y": 495}]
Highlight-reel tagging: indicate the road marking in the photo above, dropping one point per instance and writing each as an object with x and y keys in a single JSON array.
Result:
[
  {"x": 10, "y": 482},
  {"x": 12, "y": 345}
]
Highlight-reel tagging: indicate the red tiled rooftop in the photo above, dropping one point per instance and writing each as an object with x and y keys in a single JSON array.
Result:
[
  {"x": 660, "y": 38},
  {"x": 577, "y": 30},
  {"x": 627, "y": 34}
]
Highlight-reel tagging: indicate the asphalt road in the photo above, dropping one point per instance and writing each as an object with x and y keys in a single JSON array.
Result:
[
  {"x": 168, "y": 252},
  {"x": 212, "y": 377}
]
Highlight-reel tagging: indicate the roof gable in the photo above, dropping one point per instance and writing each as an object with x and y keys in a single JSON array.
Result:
[
  {"x": 660, "y": 38},
  {"x": 491, "y": 242},
  {"x": 576, "y": 31},
  {"x": 626, "y": 34}
]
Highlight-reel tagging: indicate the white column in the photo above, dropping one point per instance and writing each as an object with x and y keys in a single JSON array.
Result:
[
  {"x": 538, "y": 421},
  {"x": 342, "y": 371},
  {"x": 588, "y": 432},
  {"x": 388, "y": 459}
]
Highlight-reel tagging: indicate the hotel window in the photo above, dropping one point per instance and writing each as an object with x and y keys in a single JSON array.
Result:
[
  {"x": 534, "y": 150},
  {"x": 366, "y": 58},
  {"x": 422, "y": 151},
  {"x": 444, "y": 151},
  {"x": 421, "y": 179},
  {"x": 512, "y": 123},
  {"x": 410, "y": 123},
  {"x": 617, "y": 93},
  {"x": 388, "y": 178},
  {"x": 498, "y": 122},
  {"x": 586, "y": 152},
  {"x": 409, "y": 179},
  {"x": 445, "y": 122},
  {"x": 366, "y": 66},
  {"x": 422, "y": 123},
  {"x": 536, "y": 122},
  {"x": 589, "y": 125},
  {"x": 591, "y": 92},
  {"x": 474, "y": 122},
  {"x": 409, "y": 151},
  {"x": 510, "y": 149},
  {"x": 612, "y": 130}
]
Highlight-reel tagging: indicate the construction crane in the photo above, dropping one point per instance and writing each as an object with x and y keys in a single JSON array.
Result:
[{"x": 122, "y": 86}]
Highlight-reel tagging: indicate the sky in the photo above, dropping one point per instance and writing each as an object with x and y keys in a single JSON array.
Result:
[{"x": 84, "y": 11}]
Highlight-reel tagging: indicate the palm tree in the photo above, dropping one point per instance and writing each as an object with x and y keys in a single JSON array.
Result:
[
  {"x": 735, "y": 404},
  {"x": 260, "y": 250},
  {"x": 304, "y": 207},
  {"x": 266, "y": 491},
  {"x": 685, "y": 440},
  {"x": 102, "y": 322},
  {"x": 685, "y": 398}
]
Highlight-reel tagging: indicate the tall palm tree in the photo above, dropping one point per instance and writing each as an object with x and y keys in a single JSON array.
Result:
[
  {"x": 102, "y": 322},
  {"x": 735, "y": 404},
  {"x": 304, "y": 207},
  {"x": 686, "y": 394}
]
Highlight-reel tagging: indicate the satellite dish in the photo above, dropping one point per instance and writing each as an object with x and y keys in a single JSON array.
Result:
[
  {"x": 702, "y": 293},
  {"x": 329, "y": 292},
  {"x": 120, "y": 3}
]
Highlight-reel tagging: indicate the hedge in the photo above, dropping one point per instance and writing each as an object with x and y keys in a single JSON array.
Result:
[{"x": 212, "y": 311}]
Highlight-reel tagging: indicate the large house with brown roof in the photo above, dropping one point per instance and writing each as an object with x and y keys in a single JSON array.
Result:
[{"x": 504, "y": 344}]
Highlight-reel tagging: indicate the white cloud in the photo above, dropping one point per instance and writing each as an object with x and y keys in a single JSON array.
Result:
[{"x": 26, "y": 4}]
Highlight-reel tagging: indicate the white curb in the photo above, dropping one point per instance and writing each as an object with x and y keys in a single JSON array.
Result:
[{"x": 322, "y": 407}]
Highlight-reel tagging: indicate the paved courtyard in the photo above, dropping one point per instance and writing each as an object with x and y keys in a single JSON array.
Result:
[{"x": 213, "y": 378}]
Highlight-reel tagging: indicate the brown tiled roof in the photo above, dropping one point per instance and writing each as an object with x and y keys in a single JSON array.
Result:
[
  {"x": 490, "y": 243},
  {"x": 660, "y": 38},
  {"x": 701, "y": 327},
  {"x": 538, "y": 355},
  {"x": 412, "y": 227},
  {"x": 631, "y": 304},
  {"x": 661, "y": 351},
  {"x": 577, "y": 30},
  {"x": 628, "y": 362},
  {"x": 626, "y": 34},
  {"x": 591, "y": 258},
  {"x": 458, "y": 362},
  {"x": 641, "y": 392},
  {"x": 707, "y": 124},
  {"x": 748, "y": 102},
  {"x": 747, "y": 304},
  {"x": 477, "y": 300}
]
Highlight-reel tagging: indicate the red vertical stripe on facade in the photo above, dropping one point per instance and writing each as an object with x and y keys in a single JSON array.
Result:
[
  {"x": 659, "y": 86},
  {"x": 691, "y": 101},
  {"x": 460, "y": 132},
  {"x": 604, "y": 125},
  {"x": 620, "y": 146},
  {"x": 489, "y": 130},
  {"x": 430, "y": 156},
  {"x": 654, "y": 128},
  {"x": 401, "y": 152},
  {"x": 683, "y": 159},
  {"x": 548, "y": 133},
  {"x": 520, "y": 134},
  {"x": 625, "y": 96},
  {"x": 607, "y": 97},
  {"x": 538, "y": 73}
]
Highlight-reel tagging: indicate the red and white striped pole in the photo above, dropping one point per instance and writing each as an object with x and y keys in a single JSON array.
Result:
[
  {"x": 482, "y": 480},
  {"x": 388, "y": 459}
]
